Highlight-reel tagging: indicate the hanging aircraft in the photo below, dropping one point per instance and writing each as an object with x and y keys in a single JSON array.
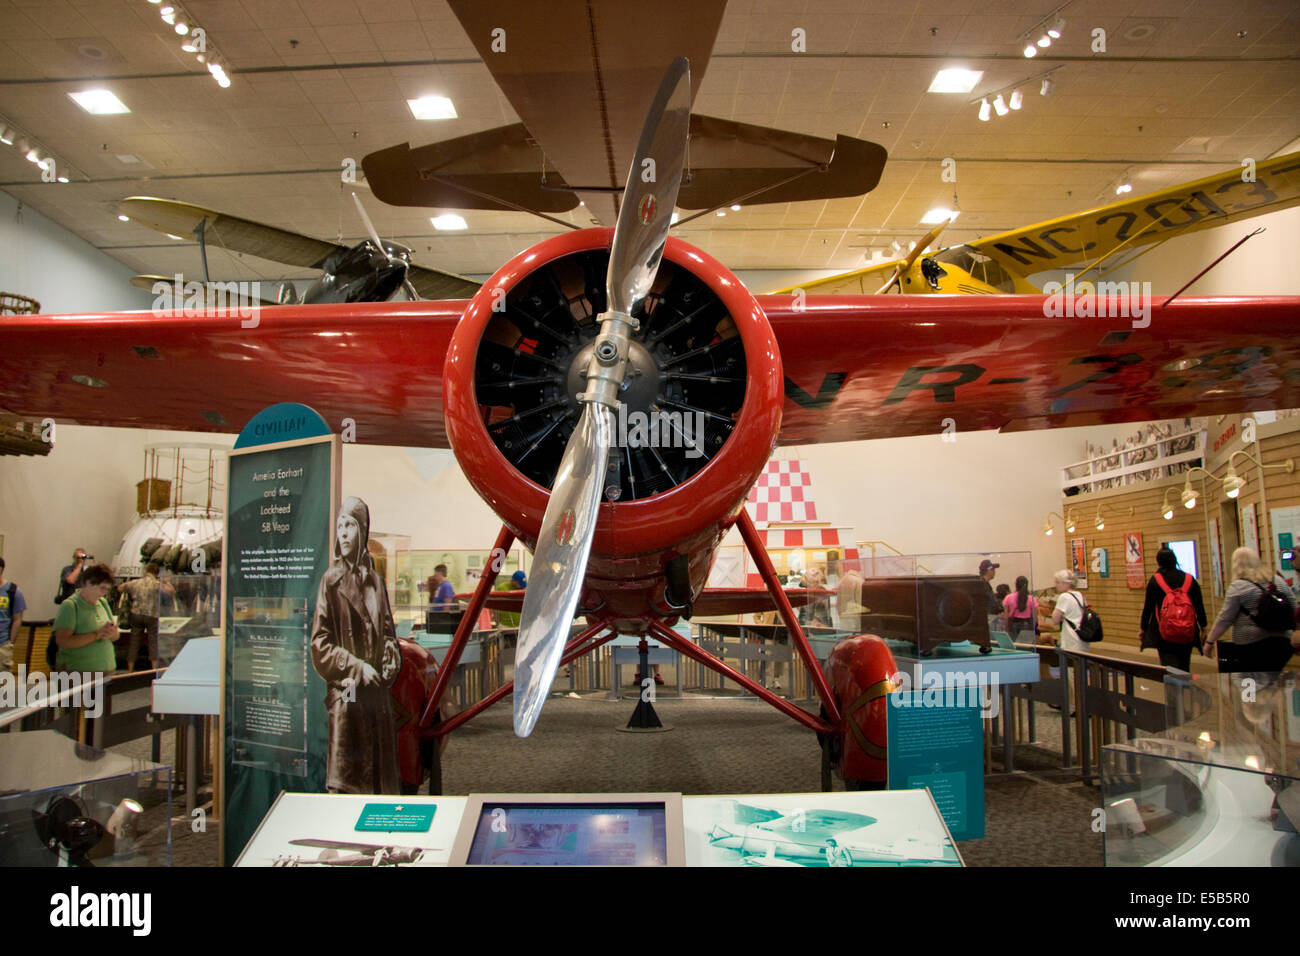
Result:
[
  {"x": 1085, "y": 240},
  {"x": 371, "y": 271},
  {"x": 527, "y": 380}
]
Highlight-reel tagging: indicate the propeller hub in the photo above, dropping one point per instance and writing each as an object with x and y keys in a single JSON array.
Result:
[{"x": 640, "y": 386}]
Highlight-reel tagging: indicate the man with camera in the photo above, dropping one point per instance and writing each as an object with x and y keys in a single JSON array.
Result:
[{"x": 70, "y": 578}]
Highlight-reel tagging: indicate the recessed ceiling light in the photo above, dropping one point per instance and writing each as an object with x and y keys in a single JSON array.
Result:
[
  {"x": 99, "y": 102},
  {"x": 1031, "y": 51},
  {"x": 939, "y": 214},
  {"x": 124, "y": 218},
  {"x": 449, "y": 221},
  {"x": 177, "y": 238},
  {"x": 182, "y": 28},
  {"x": 722, "y": 212},
  {"x": 955, "y": 80},
  {"x": 432, "y": 108},
  {"x": 735, "y": 208},
  {"x": 1123, "y": 188}
]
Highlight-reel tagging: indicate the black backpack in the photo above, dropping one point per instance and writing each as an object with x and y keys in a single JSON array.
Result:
[
  {"x": 1273, "y": 613},
  {"x": 1089, "y": 629}
]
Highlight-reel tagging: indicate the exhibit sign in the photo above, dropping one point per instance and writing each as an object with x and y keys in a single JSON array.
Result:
[
  {"x": 1216, "y": 558},
  {"x": 1249, "y": 526},
  {"x": 282, "y": 494},
  {"x": 1134, "y": 568},
  {"x": 1079, "y": 562},
  {"x": 1101, "y": 561},
  {"x": 936, "y": 741},
  {"x": 1285, "y": 523}
]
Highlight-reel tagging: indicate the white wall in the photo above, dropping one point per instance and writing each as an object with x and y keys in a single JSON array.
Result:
[{"x": 42, "y": 260}]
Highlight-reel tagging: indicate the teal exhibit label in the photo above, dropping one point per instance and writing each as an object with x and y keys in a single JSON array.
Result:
[
  {"x": 937, "y": 741},
  {"x": 279, "y": 515},
  {"x": 397, "y": 817}
]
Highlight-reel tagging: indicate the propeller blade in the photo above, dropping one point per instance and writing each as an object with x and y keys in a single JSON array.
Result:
[
  {"x": 560, "y": 563},
  {"x": 370, "y": 226},
  {"x": 650, "y": 192},
  {"x": 914, "y": 254}
]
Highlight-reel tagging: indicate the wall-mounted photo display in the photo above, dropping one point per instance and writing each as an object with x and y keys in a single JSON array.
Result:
[
  {"x": 1134, "y": 569},
  {"x": 1249, "y": 526},
  {"x": 1079, "y": 562}
]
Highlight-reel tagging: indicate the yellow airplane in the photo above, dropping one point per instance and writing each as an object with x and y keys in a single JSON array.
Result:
[{"x": 1088, "y": 239}]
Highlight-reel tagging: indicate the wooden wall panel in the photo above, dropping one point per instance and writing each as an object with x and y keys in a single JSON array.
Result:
[{"x": 1121, "y": 607}]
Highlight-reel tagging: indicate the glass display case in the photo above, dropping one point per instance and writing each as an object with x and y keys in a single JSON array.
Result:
[
  {"x": 63, "y": 803},
  {"x": 1222, "y": 789}
]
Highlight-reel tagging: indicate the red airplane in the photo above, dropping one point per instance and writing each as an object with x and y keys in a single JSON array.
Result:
[{"x": 524, "y": 380}]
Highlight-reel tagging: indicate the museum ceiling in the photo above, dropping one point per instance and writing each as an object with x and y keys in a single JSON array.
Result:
[{"x": 1185, "y": 88}]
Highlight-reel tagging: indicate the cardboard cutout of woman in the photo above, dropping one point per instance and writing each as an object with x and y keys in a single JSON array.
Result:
[{"x": 354, "y": 648}]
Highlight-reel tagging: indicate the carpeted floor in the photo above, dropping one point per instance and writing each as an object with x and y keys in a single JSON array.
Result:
[{"x": 1040, "y": 816}]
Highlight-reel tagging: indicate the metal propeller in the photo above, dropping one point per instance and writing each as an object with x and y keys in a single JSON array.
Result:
[
  {"x": 560, "y": 564},
  {"x": 379, "y": 244}
]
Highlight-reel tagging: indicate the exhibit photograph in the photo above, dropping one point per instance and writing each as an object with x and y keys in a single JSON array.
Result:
[{"x": 604, "y": 433}]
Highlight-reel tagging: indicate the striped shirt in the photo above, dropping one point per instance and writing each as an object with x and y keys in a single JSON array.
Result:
[{"x": 1241, "y": 601}]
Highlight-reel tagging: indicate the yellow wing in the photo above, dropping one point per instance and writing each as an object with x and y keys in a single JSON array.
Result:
[{"x": 1083, "y": 238}]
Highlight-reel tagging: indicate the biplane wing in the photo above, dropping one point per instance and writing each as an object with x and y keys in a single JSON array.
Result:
[{"x": 1080, "y": 240}]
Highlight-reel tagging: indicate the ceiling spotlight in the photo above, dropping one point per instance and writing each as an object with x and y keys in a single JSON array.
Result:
[
  {"x": 177, "y": 238},
  {"x": 1188, "y": 496},
  {"x": 722, "y": 212},
  {"x": 124, "y": 218},
  {"x": 63, "y": 179},
  {"x": 169, "y": 18},
  {"x": 223, "y": 81},
  {"x": 985, "y": 111},
  {"x": 1016, "y": 100},
  {"x": 1031, "y": 50},
  {"x": 7, "y": 134},
  {"x": 1233, "y": 483},
  {"x": 1000, "y": 105},
  {"x": 449, "y": 221},
  {"x": 182, "y": 28},
  {"x": 735, "y": 208},
  {"x": 1047, "y": 87},
  {"x": 1056, "y": 28},
  {"x": 1123, "y": 188},
  {"x": 1044, "y": 41},
  {"x": 33, "y": 156}
]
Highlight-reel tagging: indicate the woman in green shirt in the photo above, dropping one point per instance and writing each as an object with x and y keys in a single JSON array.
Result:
[{"x": 84, "y": 628}]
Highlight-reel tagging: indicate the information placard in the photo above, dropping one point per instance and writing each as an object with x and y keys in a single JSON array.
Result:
[
  {"x": 282, "y": 499},
  {"x": 936, "y": 740}
]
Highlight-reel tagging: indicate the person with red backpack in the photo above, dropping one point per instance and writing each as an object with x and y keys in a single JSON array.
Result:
[{"x": 1173, "y": 616}]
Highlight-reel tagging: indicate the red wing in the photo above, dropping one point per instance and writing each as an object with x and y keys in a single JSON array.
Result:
[
  {"x": 379, "y": 364},
  {"x": 861, "y": 367}
]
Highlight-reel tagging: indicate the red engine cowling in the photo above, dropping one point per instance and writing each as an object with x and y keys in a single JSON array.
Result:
[
  {"x": 702, "y": 407},
  {"x": 860, "y": 671}
]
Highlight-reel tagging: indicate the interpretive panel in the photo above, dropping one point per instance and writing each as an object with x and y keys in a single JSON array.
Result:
[
  {"x": 936, "y": 740},
  {"x": 282, "y": 500}
]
